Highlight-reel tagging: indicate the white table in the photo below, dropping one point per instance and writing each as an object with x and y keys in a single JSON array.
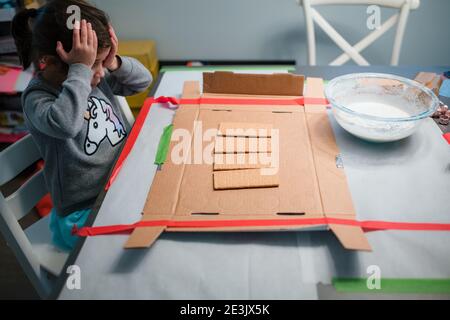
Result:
[{"x": 403, "y": 181}]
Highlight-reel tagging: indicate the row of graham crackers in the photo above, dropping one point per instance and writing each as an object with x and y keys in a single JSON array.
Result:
[{"x": 241, "y": 152}]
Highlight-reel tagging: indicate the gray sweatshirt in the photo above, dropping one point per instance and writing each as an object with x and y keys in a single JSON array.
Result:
[{"x": 79, "y": 130}]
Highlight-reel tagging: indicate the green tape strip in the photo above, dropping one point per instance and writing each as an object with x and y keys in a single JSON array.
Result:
[
  {"x": 228, "y": 68},
  {"x": 163, "y": 146},
  {"x": 426, "y": 286}
]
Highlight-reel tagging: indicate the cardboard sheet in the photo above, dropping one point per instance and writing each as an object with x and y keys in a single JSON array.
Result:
[
  {"x": 431, "y": 80},
  {"x": 310, "y": 184}
]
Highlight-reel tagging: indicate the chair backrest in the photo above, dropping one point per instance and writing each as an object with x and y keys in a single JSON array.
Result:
[
  {"x": 353, "y": 52},
  {"x": 13, "y": 161}
]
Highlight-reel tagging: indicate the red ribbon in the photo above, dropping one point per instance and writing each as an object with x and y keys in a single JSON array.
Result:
[
  {"x": 130, "y": 142},
  {"x": 365, "y": 225},
  {"x": 300, "y": 101},
  {"x": 447, "y": 137}
]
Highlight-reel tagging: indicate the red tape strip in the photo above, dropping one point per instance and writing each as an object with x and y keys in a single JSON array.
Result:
[
  {"x": 130, "y": 141},
  {"x": 300, "y": 101},
  {"x": 447, "y": 137},
  {"x": 365, "y": 225}
]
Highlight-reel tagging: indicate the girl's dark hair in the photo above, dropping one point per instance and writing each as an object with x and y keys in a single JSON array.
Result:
[{"x": 36, "y": 31}]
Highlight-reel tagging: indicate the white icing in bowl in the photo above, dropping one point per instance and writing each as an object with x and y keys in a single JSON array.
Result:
[{"x": 380, "y": 107}]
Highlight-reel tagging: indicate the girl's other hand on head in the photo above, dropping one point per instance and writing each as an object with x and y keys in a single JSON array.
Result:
[
  {"x": 111, "y": 62},
  {"x": 84, "y": 46}
]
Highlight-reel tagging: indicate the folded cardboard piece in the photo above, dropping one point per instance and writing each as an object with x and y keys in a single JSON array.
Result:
[
  {"x": 430, "y": 80},
  {"x": 308, "y": 182}
]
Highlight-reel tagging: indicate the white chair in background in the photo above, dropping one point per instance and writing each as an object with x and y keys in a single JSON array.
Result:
[
  {"x": 38, "y": 257},
  {"x": 353, "y": 52}
]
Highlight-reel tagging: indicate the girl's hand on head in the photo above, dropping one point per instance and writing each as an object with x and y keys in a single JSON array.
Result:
[
  {"x": 111, "y": 62},
  {"x": 84, "y": 46}
]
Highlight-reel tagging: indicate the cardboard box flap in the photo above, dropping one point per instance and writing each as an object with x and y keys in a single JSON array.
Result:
[
  {"x": 284, "y": 84},
  {"x": 335, "y": 195},
  {"x": 191, "y": 90},
  {"x": 352, "y": 238},
  {"x": 163, "y": 196},
  {"x": 143, "y": 237}
]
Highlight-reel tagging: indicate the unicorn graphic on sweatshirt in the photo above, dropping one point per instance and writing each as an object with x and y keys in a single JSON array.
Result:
[{"x": 102, "y": 123}]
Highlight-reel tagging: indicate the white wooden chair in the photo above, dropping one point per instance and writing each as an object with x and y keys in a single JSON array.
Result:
[
  {"x": 41, "y": 261},
  {"x": 353, "y": 52}
]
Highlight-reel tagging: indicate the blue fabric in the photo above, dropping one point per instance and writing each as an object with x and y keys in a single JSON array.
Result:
[
  {"x": 61, "y": 228},
  {"x": 445, "y": 89}
]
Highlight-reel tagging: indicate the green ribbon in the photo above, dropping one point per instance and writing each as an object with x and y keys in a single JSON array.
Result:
[
  {"x": 163, "y": 146},
  {"x": 425, "y": 286}
]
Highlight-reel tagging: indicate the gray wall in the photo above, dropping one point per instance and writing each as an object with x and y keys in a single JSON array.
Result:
[{"x": 272, "y": 29}]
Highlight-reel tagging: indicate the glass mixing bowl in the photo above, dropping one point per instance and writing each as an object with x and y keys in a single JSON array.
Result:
[{"x": 380, "y": 107}]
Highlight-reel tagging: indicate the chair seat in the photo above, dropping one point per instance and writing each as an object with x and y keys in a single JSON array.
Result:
[{"x": 51, "y": 258}]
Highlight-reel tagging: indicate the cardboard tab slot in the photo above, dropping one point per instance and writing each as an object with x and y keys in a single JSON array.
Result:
[
  {"x": 290, "y": 213},
  {"x": 205, "y": 213}
]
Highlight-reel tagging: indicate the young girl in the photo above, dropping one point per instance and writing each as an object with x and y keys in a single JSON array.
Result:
[{"x": 69, "y": 107}]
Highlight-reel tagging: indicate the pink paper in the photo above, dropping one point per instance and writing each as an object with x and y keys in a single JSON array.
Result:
[{"x": 8, "y": 80}]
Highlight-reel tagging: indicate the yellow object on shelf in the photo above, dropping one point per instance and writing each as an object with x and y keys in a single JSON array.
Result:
[
  {"x": 145, "y": 52},
  {"x": 33, "y": 4}
]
